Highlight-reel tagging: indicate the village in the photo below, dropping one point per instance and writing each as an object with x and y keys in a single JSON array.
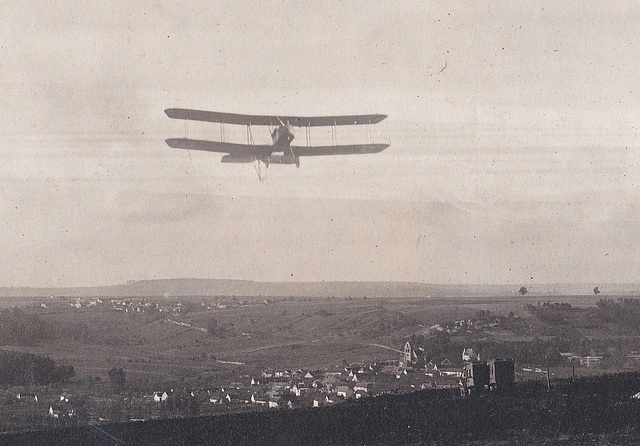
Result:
[{"x": 270, "y": 389}]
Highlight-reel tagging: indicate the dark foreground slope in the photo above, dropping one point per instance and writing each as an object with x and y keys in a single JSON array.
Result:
[{"x": 570, "y": 414}]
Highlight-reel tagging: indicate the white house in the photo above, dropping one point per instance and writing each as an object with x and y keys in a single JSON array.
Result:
[
  {"x": 344, "y": 391},
  {"x": 258, "y": 401}
]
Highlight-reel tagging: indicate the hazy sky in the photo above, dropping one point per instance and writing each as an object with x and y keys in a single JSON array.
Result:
[{"x": 514, "y": 130}]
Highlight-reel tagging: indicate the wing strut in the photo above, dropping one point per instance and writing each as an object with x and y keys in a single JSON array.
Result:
[
  {"x": 334, "y": 133},
  {"x": 257, "y": 162},
  {"x": 257, "y": 165},
  {"x": 250, "y": 140}
]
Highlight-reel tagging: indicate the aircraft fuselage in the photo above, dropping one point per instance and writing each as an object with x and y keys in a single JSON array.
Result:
[{"x": 282, "y": 137}]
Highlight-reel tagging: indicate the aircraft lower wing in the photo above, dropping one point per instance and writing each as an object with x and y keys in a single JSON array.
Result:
[
  {"x": 241, "y": 150},
  {"x": 351, "y": 149}
]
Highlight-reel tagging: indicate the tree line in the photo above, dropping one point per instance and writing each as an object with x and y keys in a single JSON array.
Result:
[{"x": 21, "y": 369}]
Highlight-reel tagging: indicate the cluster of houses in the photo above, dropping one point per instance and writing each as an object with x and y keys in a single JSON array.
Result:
[
  {"x": 143, "y": 304},
  {"x": 314, "y": 388},
  {"x": 286, "y": 389},
  {"x": 464, "y": 325},
  {"x": 300, "y": 388},
  {"x": 130, "y": 305}
]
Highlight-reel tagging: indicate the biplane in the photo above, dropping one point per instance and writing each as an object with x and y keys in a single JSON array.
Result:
[{"x": 281, "y": 130}]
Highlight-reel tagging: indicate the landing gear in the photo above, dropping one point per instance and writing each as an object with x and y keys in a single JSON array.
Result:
[{"x": 257, "y": 164}]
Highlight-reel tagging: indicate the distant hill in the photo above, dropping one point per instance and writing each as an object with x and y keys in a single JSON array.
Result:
[{"x": 226, "y": 287}]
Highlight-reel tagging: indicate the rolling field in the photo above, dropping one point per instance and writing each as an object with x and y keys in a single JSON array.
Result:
[
  {"x": 313, "y": 333},
  {"x": 308, "y": 333}
]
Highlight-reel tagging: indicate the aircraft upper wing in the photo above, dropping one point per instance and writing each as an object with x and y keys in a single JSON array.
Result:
[
  {"x": 220, "y": 147},
  {"x": 298, "y": 121},
  {"x": 351, "y": 149}
]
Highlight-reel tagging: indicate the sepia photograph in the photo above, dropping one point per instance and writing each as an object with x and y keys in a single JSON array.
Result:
[{"x": 320, "y": 223}]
